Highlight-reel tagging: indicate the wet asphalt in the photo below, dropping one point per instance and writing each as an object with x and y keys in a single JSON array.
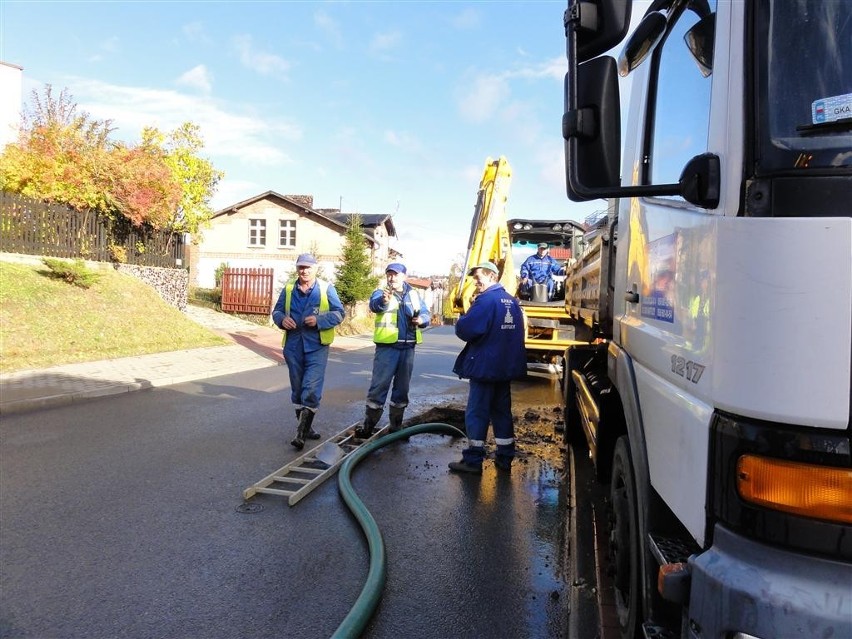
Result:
[{"x": 123, "y": 517}]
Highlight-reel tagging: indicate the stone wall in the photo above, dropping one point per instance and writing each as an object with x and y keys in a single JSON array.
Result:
[{"x": 171, "y": 284}]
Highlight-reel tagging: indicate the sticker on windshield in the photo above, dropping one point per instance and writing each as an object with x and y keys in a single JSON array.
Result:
[{"x": 838, "y": 107}]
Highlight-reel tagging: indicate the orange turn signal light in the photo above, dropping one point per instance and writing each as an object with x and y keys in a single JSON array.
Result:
[{"x": 809, "y": 490}]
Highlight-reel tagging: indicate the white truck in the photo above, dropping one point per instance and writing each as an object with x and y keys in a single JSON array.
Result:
[{"x": 714, "y": 393}]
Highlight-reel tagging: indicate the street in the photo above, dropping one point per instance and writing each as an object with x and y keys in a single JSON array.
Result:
[{"x": 123, "y": 517}]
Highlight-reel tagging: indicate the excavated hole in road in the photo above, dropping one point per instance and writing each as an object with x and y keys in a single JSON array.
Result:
[{"x": 535, "y": 429}]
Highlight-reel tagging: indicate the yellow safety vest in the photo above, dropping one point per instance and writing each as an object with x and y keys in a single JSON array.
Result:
[
  {"x": 327, "y": 335},
  {"x": 387, "y": 329}
]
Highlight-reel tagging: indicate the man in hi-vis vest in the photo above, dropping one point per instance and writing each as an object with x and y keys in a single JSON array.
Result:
[
  {"x": 400, "y": 314},
  {"x": 307, "y": 311}
]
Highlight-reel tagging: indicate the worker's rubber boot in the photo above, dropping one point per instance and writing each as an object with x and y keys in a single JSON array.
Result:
[
  {"x": 371, "y": 418},
  {"x": 471, "y": 461},
  {"x": 306, "y": 418},
  {"x": 312, "y": 434},
  {"x": 395, "y": 416},
  {"x": 504, "y": 456}
]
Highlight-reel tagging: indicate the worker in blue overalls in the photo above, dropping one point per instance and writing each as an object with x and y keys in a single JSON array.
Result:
[
  {"x": 539, "y": 268},
  {"x": 307, "y": 311},
  {"x": 401, "y": 314}
]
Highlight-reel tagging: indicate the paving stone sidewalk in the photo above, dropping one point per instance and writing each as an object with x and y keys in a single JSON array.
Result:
[{"x": 252, "y": 347}]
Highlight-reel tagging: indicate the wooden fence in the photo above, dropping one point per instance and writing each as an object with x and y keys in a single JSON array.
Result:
[
  {"x": 247, "y": 290},
  {"x": 32, "y": 227}
]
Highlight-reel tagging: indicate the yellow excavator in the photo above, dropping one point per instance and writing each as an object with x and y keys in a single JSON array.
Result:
[{"x": 548, "y": 327}]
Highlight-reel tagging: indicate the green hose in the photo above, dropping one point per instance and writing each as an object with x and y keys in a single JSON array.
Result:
[{"x": 355, "y": 622}]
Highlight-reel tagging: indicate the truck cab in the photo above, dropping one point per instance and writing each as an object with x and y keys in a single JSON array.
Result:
[{"x": 715, "y": 397}]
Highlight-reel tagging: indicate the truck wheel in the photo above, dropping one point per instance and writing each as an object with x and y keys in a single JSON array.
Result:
[{"x": 623, "y": 540}]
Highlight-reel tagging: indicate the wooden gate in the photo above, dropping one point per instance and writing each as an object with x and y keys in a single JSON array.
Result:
[{"x": 247, "y": 290}]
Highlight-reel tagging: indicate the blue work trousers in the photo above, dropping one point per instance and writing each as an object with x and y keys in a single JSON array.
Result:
[
  {"x": 307, "y": 374},
  {"x": 489, "y": 402},
  {"x": 390, "y": 364}
]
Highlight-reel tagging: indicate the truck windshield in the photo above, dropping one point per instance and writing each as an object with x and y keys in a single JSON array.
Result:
[{"x": 805, "y": 85}]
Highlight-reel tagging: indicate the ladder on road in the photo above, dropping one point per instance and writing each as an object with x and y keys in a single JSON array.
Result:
[{"x": 305, "y": 473}]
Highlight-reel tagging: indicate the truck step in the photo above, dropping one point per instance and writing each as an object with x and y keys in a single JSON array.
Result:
[
  {"x": 671, "y": 550},
  {"x": 653, "y": 631}
]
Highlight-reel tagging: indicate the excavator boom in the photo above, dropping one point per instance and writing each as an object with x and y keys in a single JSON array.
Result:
[{"x": 489, "y": 235}]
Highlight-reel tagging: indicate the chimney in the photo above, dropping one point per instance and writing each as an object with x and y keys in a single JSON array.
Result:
[{"x": 305, "y": 200}]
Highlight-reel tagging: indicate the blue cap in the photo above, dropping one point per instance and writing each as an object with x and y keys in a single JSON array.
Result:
[
  {"x": 488, "y": 266},
  {"x": 396, "y": 267},
  {"x": 306, "y": 259}
]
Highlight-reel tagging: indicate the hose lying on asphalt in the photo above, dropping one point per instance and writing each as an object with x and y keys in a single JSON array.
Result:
[{"x": 355, "y": 622}]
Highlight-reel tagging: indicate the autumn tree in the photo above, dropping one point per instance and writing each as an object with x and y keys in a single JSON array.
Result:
[
  {"x": 354, "y": 275},
  {"x": 60, "y": 156},
  {"x": 195, "y": 175},
  {"x": 66, "y": 156}
]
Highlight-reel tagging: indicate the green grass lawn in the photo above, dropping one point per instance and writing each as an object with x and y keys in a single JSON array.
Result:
[{"x": 47, "y": 322}]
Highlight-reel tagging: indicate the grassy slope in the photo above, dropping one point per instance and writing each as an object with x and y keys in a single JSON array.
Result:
[{"x": 46, "y": 322}]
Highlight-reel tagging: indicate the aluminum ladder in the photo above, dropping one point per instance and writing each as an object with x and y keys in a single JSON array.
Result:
[{"x": 296, "y": 479}]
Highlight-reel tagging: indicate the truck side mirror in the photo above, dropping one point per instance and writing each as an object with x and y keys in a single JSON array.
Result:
[
  {"x": 592, "y": 131},
  {"x": 601, "y": 25}
]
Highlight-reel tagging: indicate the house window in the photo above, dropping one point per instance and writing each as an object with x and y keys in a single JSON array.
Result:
[
  {"x": 287, "y": 233},
  {"x": 257, "y": 232}
]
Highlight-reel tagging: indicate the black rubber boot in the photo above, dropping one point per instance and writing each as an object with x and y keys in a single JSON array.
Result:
[
  {"x": 312, "y": 434},
  {"x": 306, "y": 418},
  {"x": 395, "y": 416},
  {"x": 371, "y": 418}
]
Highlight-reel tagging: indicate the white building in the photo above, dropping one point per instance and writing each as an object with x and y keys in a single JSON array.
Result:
[{"x": 11, "y": 101}]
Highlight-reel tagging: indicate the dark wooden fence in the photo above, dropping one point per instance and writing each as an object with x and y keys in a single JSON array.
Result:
[
  {"x": 247, "y": 290},
  {"x": 38, "y": 228}
]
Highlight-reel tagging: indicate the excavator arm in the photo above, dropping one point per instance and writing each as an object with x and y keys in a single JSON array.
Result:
[{"x": 489, "y": 234}]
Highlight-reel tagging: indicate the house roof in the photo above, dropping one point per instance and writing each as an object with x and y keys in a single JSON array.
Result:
[
  {"x": 301, "y": 202},
  {"x": 369, "y": 222},
  {"x": 419, "y": 282}
]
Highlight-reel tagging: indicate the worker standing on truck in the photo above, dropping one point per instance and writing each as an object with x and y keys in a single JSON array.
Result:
[
  {"x": 492, "y": 357},
  {"x": 539, "y": 268},
  {"x": 307, "y": 311},
  {"x": 400, "y": 315}
]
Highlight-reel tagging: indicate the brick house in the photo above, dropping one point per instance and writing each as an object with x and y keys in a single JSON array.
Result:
[{"x": 270, "y": 230}]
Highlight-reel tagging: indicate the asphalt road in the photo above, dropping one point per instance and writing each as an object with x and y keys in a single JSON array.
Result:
[{"x": 122, "y": 517}]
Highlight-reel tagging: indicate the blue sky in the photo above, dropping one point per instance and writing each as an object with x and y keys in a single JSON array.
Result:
[{"x": 385, "y": 107}]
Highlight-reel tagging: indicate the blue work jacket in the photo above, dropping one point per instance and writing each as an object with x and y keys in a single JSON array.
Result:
[
  {"x": 494, "y": 331},
  {"x": 304, "y": 339},
  {"x": 540, "y": 269}
]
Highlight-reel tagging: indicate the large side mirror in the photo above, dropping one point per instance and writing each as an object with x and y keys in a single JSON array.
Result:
[
  {"x": 600, "y": 25},
  {"x": 642, "y": 42},
  {"x": 699, "y": 41},
  {"x": 592, "y": 131}
]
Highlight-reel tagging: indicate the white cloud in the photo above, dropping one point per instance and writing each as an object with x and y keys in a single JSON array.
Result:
[
  {"x": 244, "y": 136},
  {"x": 383, "y": 43},
  {"x": 482, "y": 96},
  {"x": 330, "y": 27},
  {"x": 467, "y": 19},
  {"x": 402, "y": 140},
  {"x": 195, "y": 32},
  {"x": 230, "y": 192},
  {"x": 260, "y": 61},
  {"x": 197, "y": 77}
]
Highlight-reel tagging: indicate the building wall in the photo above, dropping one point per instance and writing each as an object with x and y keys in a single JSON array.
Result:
[
  {"x": 228, "y": 242},
  {"x": 11, "y": 101}
]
